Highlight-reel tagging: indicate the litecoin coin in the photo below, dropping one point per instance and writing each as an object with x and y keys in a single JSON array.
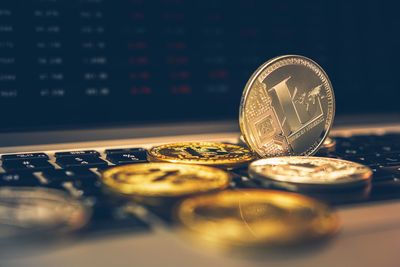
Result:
[
  {"x": 310, "y": 172},
  {"x": 251, "y": 217},
  {"x": 37, "y": 212},
  {"x": 203, "y": 153},
  {"x": 287, "y": 107},
  {"x": 164, "y": 179}
]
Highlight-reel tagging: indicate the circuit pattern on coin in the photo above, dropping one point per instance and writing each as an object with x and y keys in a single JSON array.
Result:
[
  {"x": 287, "y": 107},
  {"x": 310, "y": 170},
  {"x": 164, "y": 179},
  {"x": 203, "y": 153},
  {"x": 253, "y": 217}
]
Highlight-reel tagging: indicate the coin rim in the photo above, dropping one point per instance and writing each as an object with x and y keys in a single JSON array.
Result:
[
  {"x": 364, "y": 179},
  {"x": 247, "y": 90}
]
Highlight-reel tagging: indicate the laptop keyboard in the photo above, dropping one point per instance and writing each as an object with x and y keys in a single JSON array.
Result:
[{"x": 78, "y": 172}]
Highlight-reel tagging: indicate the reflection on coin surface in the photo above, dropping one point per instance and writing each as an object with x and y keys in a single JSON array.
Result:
[
  {"x": 203, "y": 153},
  {"x": 38, "y": 211},
  {"x": 164, "y": 179},
  {"x": 316, "y": 171},
  {"x": 256, "y": 217},
  {"x": 287, "y": 107}
]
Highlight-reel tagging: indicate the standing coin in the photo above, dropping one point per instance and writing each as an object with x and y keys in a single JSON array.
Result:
[
  {"x": 307, "y": 173},
  {"x": 203, "y": 153},
  {"x": 164, "y": 179},
  {"x": 287, "y": 107},
  {"x": 248, "y": 218}
]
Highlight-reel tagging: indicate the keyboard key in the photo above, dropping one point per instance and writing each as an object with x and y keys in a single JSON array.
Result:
[
  {"x": 127, "y": 157},
  {"x": 69, "y": 175},
  {"x": 24, "y": 156},
  {"x": 77, "y": 153},
  {"x": 79, "y": 188},
  {"x": 32, "y": 165},
  {"x": 18, "y": 179},
  {"x": 365, "y": 160},
  {"x": 136, "y": 150},
  {"x": 388, "y": 159},
  {"x": 81, "y": 161}
]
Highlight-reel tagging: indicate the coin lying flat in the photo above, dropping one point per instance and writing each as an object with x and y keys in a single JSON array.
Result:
[
  {"x": 32, "y": 211},
  {"x": 287, "y": 107},
  {"x": 164, "y": 179},
  {"x": 247, "y": 218},
  {"x": 203, "y": 153},
  {"x": 296, "y": 173}
]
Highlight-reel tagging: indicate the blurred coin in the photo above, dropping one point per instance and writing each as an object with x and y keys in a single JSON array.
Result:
[
  {"x": 287, "y": 107},
  {"x": 36, "y": 212},
  {"x": 311, "y": 173},
  {"x": 251, "y": 217},
  {"x": 328, "y": 145},
  {"x": 203, "y": 153},
  {"x": 164, "y": 179}
]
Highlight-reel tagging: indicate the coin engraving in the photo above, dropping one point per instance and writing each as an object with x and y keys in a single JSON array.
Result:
[{"x": 287, "y": 107}]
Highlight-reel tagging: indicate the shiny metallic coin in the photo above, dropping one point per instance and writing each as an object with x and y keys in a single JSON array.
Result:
[
  {"x": 248, "y": 218},
  {"x": 287, "y": 107},
  {"x": 296, "y": 173},
  {"x": 202, "y": 153},
  {"x": 37, "y": 212},
  {"x": 164, "y": 179}
]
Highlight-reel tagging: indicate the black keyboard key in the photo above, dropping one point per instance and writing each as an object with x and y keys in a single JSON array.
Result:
[
  {"x": 81, "y": 161},
  {"x": 388, "y": 159},
  {"x": 24, "y": 156},
  {"x": 386, "y": 174},
  {"x": 18, "y": 179},
  {"x": 77, "y": 153},
  {"x": 127, "y": 157},
  {"x": 32, "y": 165},
  {"x": 69, "y": 175},
  {"x": 136, "y": 150},
  {"x": 368, "y": 160}
]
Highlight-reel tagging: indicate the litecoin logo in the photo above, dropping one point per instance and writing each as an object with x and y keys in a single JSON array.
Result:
[{"x": 296, "y": 110}]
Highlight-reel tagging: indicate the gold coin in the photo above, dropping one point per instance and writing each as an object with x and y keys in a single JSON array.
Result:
[
  {"x": 251, "y": 217},
  {"x": 287, "y": 107},
  {"x": 310, "y": 172},
  {"x": 164, "y": 179},
  {"x": 32, "y": 211},
  {"x": 203, "y": 153},
  {"x": 328, "y": 145}
]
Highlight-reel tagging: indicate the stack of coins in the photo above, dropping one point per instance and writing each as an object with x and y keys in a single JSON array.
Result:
[{"x": 286, "y": 113}]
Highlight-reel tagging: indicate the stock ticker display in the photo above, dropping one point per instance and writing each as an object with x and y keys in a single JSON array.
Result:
[{"x": 89, "y": 61}]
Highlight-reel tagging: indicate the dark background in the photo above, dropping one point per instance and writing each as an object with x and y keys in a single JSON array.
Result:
[{"x": 92, "y": 62}]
